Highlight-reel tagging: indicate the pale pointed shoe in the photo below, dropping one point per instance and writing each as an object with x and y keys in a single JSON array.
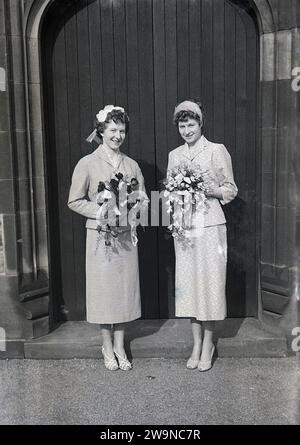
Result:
[
  {"x": 207, "y": 364},
  {"x": 192, "y": 364},
  {"x": 109, "y": 362},
  {"x": 124, "y": 363}
]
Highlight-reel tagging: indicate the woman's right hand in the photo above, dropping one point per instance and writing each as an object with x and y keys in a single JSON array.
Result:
[{"x": 213, "y": 192}]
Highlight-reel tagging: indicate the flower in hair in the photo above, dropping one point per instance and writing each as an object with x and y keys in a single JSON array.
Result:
[{"x": 102, "y": 115}]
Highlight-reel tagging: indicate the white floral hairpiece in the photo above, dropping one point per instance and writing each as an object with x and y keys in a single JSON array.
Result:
[{"x": 102, "y": 115}]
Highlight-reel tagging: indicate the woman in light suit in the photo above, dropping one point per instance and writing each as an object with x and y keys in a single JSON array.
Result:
[
  {"x": 112, "y": 273},
  {"x": 201, "y": 268}
]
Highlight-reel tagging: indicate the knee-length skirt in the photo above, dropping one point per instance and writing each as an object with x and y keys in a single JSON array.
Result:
[
  {"x": 112, "y": 279},
  {"x": 200, "y": 278}
]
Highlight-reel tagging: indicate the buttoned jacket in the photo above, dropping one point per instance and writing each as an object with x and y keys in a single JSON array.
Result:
[
  {"x": 88, "y": 172},
  {"x": 216, "y": 161}
]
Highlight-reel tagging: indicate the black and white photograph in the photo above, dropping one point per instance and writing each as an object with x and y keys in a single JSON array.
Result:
[{"x": 149, "y": 215}]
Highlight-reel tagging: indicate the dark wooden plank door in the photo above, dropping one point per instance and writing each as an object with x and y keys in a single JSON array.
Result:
[{"x": 147, "y": 55}]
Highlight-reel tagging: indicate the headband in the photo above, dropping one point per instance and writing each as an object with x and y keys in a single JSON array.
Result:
[
  {"x": 187, "y": 105},
  {"x": 101, "y": 117}
]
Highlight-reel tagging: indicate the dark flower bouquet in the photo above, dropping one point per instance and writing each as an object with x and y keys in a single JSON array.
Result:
[{"x": 120, "y": 193}]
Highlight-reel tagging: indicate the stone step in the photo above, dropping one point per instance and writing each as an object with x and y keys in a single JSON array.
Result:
[{"x": 158, "y": 339}]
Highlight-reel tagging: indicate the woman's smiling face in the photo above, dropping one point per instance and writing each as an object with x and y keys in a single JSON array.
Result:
[
  {"x": 114, "y": 135},
  {"x": 190, "y": 130}
]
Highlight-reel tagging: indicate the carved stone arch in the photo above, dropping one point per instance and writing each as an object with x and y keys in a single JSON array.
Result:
[
  {"x": 264, "y": 15},
  {"x": 33, "y": 19},
  {"x": 260, "y": 10}
]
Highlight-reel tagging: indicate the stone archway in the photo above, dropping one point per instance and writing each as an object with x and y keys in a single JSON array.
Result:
[{"x": 271, "y": 43}]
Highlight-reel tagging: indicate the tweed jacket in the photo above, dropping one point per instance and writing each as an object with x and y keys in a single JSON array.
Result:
[
  {"x": 88, "y": 172},
  {"x": 215, "y": 159}
]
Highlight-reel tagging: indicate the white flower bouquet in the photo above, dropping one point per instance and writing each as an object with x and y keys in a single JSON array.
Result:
[{"x": 185, "y": 194}]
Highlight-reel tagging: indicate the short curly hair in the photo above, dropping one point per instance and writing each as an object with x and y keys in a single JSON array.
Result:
[
  {"x": 184, "y": 115},
  {"x": 117, "y": 116}
]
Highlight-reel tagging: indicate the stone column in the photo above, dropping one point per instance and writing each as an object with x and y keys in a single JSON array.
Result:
[
  {"x": 11, "y": 317},
  {"x": 22, "y": 195},
  {"x": 279, "y": 124}
]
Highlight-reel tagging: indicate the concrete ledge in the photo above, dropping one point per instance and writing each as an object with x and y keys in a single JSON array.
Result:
[{"x": 158, "y": 339}]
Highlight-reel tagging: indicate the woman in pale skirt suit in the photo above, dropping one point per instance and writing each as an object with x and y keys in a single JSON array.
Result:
[
  {"x": 112, "y": 273},
  {"x": 201, "y": 266}
]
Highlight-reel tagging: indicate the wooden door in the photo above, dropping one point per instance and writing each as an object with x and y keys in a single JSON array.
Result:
[{"x": 147, "y": 55}]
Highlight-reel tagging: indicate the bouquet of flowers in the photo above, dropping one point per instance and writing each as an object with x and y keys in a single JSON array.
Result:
[
  {"x": 119, "y": 193},
  {"x": 185, "y": 192}
]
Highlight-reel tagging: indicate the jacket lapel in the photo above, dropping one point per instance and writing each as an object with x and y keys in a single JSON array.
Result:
[
  {"x": 203, "y": 143},
  {"x": 102, "y": 155},
  {"x": 120, "y": 161},
  {"x": 185, "y": 151}
]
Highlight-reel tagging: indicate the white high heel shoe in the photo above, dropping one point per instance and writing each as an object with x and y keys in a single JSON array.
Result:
[
  {"x": 207, "y": 364},
  {"x": 192, "y": 364},
  {"x": 109, "y": 362},
  {"x": 124, "y": 363}
]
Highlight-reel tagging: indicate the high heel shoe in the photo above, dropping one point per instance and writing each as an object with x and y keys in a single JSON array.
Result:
[
  {"x": 207, "y": 364},
  {"x": 192, "y": 364},
  {"x": 124, "y": 363},
  {"x": 109, "y": 362}
]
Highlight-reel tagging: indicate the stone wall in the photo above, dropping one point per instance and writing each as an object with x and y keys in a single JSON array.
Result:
[{"x": 280, "y": 47}]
